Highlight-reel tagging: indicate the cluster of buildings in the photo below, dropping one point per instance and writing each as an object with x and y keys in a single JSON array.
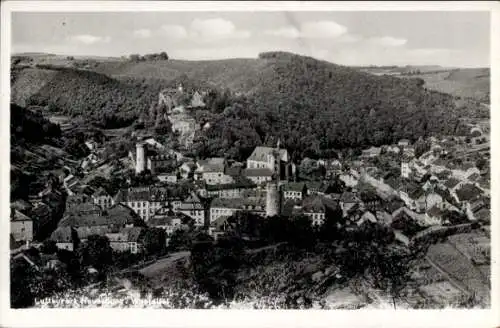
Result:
[{"x": 427, "y": 192}]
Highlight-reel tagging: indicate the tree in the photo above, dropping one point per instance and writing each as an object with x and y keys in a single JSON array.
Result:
[
  {"x": 163, "y": 55},
  {"x": 215, "y": 266},
  {"x": 22, "y": 278},
  {"x": 180, "y": 240},
  {"x": 154, "y": 241},
  {"x": 97, "y": 252},
  {"x": 48, "y": 247},
  {"x": 135, "y": 57}
]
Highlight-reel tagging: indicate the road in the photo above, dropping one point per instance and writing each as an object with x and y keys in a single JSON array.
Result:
[{"x": 163, "y": 264}]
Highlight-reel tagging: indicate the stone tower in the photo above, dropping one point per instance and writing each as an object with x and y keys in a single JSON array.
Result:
[
  {"x": 140, "y": 162},
  {"x": 273, "y": 192}
]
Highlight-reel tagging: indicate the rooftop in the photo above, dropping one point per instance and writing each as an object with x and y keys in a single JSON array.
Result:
[
  {"x": 468, "y": 192},
  {"x": 261, "y": 153},
  {"x": 239, "y": 203},
  {"x": 18, "y": 216},
  {"x": 318, "y": 204},
  {"x": 258, "y": 172},
  {"x": 294, "y": 186}
]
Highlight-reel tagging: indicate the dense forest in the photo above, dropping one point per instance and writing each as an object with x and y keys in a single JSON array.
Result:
[
  {"x": 314, "y": 107},
  {"x": 103, "y": 100}
]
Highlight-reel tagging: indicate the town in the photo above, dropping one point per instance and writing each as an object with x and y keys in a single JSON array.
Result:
[{"x": 433, "y": 191}]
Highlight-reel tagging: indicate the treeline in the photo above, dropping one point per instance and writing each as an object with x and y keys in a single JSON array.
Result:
[{"x": 149, "y": 57}]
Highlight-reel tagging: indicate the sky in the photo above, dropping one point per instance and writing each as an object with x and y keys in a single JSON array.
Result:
[{"x": 454, "y": 38}]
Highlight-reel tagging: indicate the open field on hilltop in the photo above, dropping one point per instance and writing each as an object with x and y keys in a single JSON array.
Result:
[{"x": 465, "y": 82}]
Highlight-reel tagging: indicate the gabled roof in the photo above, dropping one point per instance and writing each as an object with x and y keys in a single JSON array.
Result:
[
  {"x": 348, "y": 197},
  {"x": 435, "y": 211},
  {"x": 18, "y": 216},
  {"x": 239, "y": 203},
  {"x": 101, "y": 192},
  {"x": 318, "y": 204},
  {"x": 21, "y": 205},
  {"x": 260, "y": 153},
  {"x": 257, "y": 172},
  {"x": 468, "y": 192},
  {"x": 77, "y": 209},
  {"x": 294, "y": 186},
  {"x": 133, "y": 233},
  {"x": 233, "y": 171},
  {"x": 219, "y": 223},
  {"x": 367, "y": 216}
]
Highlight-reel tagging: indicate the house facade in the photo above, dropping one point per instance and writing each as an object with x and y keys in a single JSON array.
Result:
[{"x": 21, "y": 226}]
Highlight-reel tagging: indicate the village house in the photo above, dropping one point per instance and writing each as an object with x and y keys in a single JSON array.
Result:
[
  {"x": 70, "y": 183},
  {"x": 294, "y": 190},
  {"x": 333, "y": 168},
  {"x": 21, "y": 226},
  {"x": 145, "y": 201},
  {"x": 258, "y": 175},
  {"x": 22, "y": 206},
  {"x": 392, "y": 149},
  {"x": 91, "y": 145},
  {"x": 367, "y": 217},
  {"x": 371, "y": 152},
  {"x": 213, "y": 171},
  {"x": 317, "y": 208},
  {"x": 263, "y": 157},
  {"x": 227, "y": 207},
  {"x": 194, "y": 208},
  {"x": 197, "y": 100},
  {"x": 127, "y": 240},
  {"x": 371, "y": 200},
  {"x": 404, "y": 143},
  {"x": 347, "y": 201},
  {"x": 161, "y": 164},
  {"x": 168, "y": 220},
  {"x": 115, "y": 218},
  {"x": 83, "y": 208},
  {"x": 349, "y": 179},
  {"x": 417, "y": 199},
  {"x": 168, "y": 177},
  {"x": 219, "y": 227},
  {"x": 187, "y": 169},
  {"x": 232, "y": 190},
  {"x": 102, "y": 198},
  {"x": 468, "y": 193},
  {"x": 154, "y": 143}
]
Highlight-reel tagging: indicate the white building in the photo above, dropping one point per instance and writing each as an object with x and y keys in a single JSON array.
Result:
[{"x": 262, "y": 157}]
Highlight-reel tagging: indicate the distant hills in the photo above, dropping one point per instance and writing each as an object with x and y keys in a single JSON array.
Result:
[
  {"x": 314, "y": 106},
  {"x": 460, "y": 82}
]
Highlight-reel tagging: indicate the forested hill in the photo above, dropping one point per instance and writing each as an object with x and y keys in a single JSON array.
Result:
[
  {"x": 101, "y": 99},
  {"x": 314, "y": 106}
]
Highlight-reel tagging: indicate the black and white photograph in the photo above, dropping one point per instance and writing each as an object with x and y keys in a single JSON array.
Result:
[{"x": 266, "y": 160}]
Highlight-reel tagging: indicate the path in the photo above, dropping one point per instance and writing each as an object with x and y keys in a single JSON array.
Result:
[{"x": 162, "y": 264}]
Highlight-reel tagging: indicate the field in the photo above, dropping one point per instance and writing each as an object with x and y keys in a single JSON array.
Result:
[
  {"x": 460, "y": 269},
  {"x": 466, "y": 82}
]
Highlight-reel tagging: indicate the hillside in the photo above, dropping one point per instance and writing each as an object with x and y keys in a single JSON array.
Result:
[
  {"x": 465, "y": 82},
  {"x": 313, "y": 106},
  {"x": 99, "y": 98},
  {"x": 239, "y": 75}
]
